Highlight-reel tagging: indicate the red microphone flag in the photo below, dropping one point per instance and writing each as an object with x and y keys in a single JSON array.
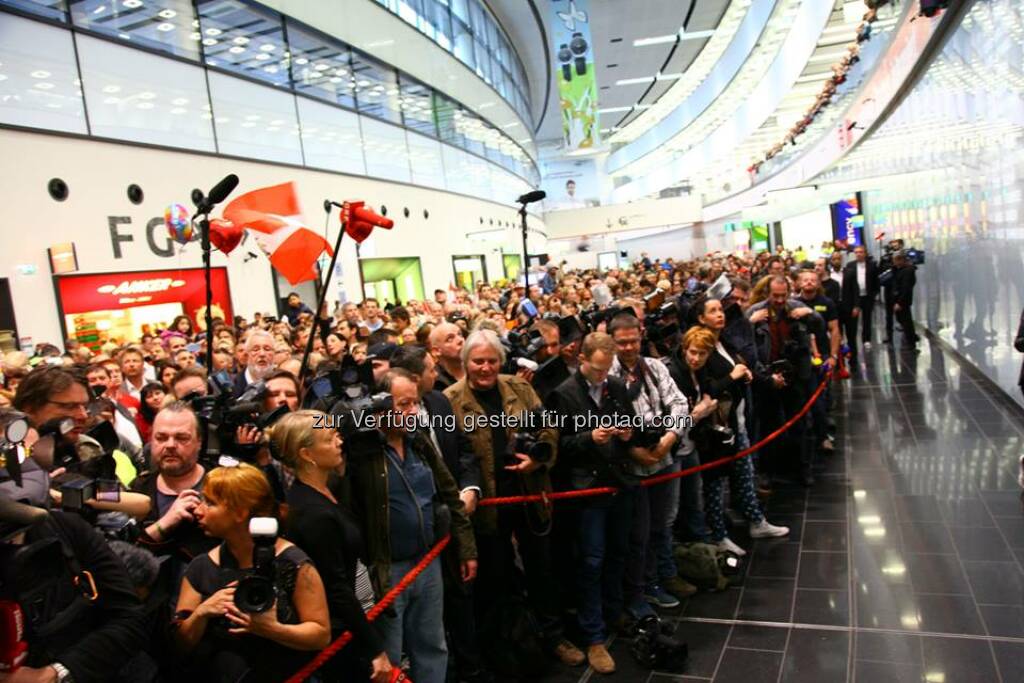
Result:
[{"x": 273, "y": 216}]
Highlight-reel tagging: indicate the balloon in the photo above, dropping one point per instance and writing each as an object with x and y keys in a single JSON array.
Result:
[
  {"x": 179, "y": 227},
  {"x": 224, "y": 234}
]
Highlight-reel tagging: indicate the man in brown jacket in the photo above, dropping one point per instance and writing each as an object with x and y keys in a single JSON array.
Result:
[{"x": 486, "y": 405}]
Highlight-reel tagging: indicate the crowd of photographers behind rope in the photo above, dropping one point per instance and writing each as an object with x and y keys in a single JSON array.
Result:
[{"x": 227, "y": 523}]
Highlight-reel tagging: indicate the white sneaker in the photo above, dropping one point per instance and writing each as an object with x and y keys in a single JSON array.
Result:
[
  {"x": 766, "y": 530},
  {"x": 727, "y": 544}
]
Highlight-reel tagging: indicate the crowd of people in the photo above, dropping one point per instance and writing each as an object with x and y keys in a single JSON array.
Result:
[{"x": 253, "y": 513}]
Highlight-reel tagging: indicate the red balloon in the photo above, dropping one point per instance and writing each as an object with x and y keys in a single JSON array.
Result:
[{"x": 224, "y": 235}]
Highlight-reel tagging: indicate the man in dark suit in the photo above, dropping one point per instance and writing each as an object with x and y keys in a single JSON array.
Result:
[
  {"x": 860, "y": 287},
  {"x": 903, "y": 282}
]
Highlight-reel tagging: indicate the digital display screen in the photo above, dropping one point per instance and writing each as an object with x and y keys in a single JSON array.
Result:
[{"x": 848, "y": 221}]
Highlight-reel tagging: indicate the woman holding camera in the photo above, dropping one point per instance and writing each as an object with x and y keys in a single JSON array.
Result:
[
  {"x": 712, "y": 369},
  {"x": 331, "y": 535},
  {"x": 227, "y": 643}
]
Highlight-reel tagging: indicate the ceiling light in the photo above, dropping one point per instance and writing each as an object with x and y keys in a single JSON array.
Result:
[
  {"x": 363, "y": 84},
  {"x": 240, "y": 40},
  {"x": 213, "y": 31},
  {"x": 111, "y": 89},
  {"x": 178, "y": 110},
  {"x": 302, "y": 60},
  {"x": 100, "y": 9},
  {"x": 40, "y": 74},
  {"x": 54, "y": 105},
  {"x": 635, "y": 81},
  {"x": 334, "y": 79},
  {"x": 197, "y": 36},
  {"x": 322, "y": 67},
  {"x": 669, "y": 77},
  {"x": 3, "y": 77},
  {"x": 167, "y": 14},
  {"x": 613, "y": 110},
  {"x": 144, "y": 105},
  {"x": 210, "y": 42},
  {"x": 165, "y": 27},
  {"x": 44, "y": 85},
  {"x": 263, "y": 56},
  {"x": 236, "y": 50},
  {"x": 271, "y": 69},
  {"x": 248, "y": 124},
  {"x": 179, "y": 101},
  {"x": 132, "y": 4},
  {"x": 656, "y": 40},
  {"x": 267, "y": 47},
  {"x": 124, "y": 36},
  {"x": 694, "y": 35}
]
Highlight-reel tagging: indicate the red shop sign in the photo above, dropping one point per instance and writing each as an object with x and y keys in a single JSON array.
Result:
[{"x": 111, "y": 291}]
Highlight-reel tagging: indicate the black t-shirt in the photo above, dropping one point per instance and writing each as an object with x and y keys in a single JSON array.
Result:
[
  {"x": 827, "y": 309},
  {"x": 490, "y": 401},
  {"x": 220, "y": 651}
]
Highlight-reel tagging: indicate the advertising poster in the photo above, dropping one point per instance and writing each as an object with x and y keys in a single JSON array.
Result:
[
  {"x": 574, "y": 64},
  {"x": 570, "y": 185}
]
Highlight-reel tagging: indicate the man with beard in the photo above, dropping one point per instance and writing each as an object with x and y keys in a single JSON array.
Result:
[
  {"x": 174, "y": 485},
  {"x": 259, "y": 352}
]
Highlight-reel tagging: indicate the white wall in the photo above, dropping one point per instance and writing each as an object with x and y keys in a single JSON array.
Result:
[
  {"x": 98, "y": 174},
  {"x": 647, "y": 213},
  {"x": 807, "y": 230}
]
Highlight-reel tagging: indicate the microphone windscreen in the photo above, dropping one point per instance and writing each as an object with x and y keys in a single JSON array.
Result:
[{"x": 222, "y": 189}]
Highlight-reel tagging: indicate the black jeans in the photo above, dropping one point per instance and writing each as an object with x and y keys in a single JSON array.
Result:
[{"x": 905, "y": 317}]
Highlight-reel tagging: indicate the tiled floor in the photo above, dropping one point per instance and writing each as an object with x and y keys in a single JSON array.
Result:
[{"x": 905, "y": 559}]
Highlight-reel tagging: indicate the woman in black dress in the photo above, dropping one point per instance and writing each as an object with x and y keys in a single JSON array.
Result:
[
  {"x": 329, "y": 533},
  {"x": 225, "y": 643}
]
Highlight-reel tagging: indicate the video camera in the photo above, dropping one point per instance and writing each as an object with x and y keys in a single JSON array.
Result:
[
  {"x": 345, "y": 393},
  {"x": 655, "y": 646},
  {"x": 522, "y": 344},
  {"x": 222, "y": 414},
  {"x": 256, "y": 591}
]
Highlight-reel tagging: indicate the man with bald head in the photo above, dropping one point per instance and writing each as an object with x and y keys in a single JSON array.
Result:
[
  {"x": 259, "y": 353},
  {"x": 446, "y": 347}
]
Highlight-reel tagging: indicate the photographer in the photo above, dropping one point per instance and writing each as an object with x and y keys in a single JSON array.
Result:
[
  {"x": 463, "y": 464},
  {"x": 402, "y": 495},
  {"x": 173, "y": 485},
  {"x": 329, "y": 533},
  {"x": 654, "y": 395},
  {"x": 81, "y": 615},
  {"x": 485, "y": 398},
  {"x": 887, "y": 273},
  {"x": 711, "y": 370},
  {"x": 225, "y": 642},
  {"x": 597, "y": 456},
  {"x": 783, "y": 327}
]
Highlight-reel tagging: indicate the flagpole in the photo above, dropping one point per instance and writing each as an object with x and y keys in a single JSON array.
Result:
[{"x": 323, "y": 289}]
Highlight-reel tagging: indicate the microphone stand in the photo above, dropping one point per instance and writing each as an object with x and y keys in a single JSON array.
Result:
[
  {"x": 526, "y": 255},
  {"x": 323, "y": 288},
  {"x": 204, "y": 231}
]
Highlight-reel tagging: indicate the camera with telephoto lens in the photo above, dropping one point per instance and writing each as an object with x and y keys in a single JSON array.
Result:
[
  {"x": 91, "y": 473},
  {"x": 654, "y": 646},
  {"x": 222, "y": 413},
  {"x": 256, "y": 592},
  {"x": 345, "y": 394},
  {"x": 526, "y": 440},
  {"x": 521, "y": 348}
]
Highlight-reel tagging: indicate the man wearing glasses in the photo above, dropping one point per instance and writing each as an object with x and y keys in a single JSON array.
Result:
[{"x": 52, "y": 393}]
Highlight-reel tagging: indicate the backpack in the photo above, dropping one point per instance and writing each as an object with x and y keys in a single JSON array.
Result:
[
  {"x": 509, "y": 638},
  {"x": 707, "y": 567}
]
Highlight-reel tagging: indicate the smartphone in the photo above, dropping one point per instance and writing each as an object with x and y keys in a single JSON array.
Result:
[{"x": 108, "y": 490}]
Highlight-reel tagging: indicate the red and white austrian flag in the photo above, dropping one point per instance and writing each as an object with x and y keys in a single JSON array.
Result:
[{"x": 273, "y": 216}]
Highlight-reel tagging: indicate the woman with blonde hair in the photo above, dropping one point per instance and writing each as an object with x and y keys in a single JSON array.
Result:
[
  {"x": 224, "y": 640},
  {"x": 331, "y": 536}
]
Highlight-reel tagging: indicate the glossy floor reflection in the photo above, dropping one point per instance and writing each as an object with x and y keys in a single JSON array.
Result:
[{"x": 905, "y": 559}]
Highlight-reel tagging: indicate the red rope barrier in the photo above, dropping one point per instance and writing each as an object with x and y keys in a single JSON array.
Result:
[
  {"x": 393, "y": 594},
  {"x": 375, "y": 611},
  {"x": 605, "y": 490}
]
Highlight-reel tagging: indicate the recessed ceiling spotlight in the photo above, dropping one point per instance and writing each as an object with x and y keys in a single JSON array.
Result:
[
  {"x": 164, "y": 27},
  {"x": 210, "y": 42},
  {"x": 167, "y": 14},
  {"x": 236, "y": 49},
  {"x": 44, "y": 85},
  {"x": 179, "y": 110},
  {"x": 262, "y": 55},
  {"x": 301, "y": 60},
  {"x": 132, "y": 4},
  {"x": 213, "y": 31},
  {"x": 111, "y": 89},
  {"x": 40, "y": 74},
  {"x": 240, "y": 40},
  {"x": 322, "y": 67},
  {"x": 147, "y": 95},
  {"x": 268, "y": 47}
]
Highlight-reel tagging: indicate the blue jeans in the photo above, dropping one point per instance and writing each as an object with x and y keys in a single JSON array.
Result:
[
  {"x": 604, "y": 528},
  {"x": 418, "y": 627},
  {"x": 664, "y": 502},
  {"x": 687, "y": 517}
]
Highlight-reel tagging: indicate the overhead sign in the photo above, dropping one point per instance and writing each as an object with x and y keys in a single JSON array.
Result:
[{"x": 574, "y": 64}]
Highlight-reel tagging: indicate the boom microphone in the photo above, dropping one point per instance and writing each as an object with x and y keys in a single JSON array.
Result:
[
  {"x": 531, "y": 197},
  {"x": 216, "y": 195}
]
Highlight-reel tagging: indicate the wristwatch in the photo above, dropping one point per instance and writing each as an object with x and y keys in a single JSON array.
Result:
[{"x": 63, "y": 674}]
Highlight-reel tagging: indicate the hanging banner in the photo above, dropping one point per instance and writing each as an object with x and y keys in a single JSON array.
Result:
[{"x": 574, "y": 62}]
